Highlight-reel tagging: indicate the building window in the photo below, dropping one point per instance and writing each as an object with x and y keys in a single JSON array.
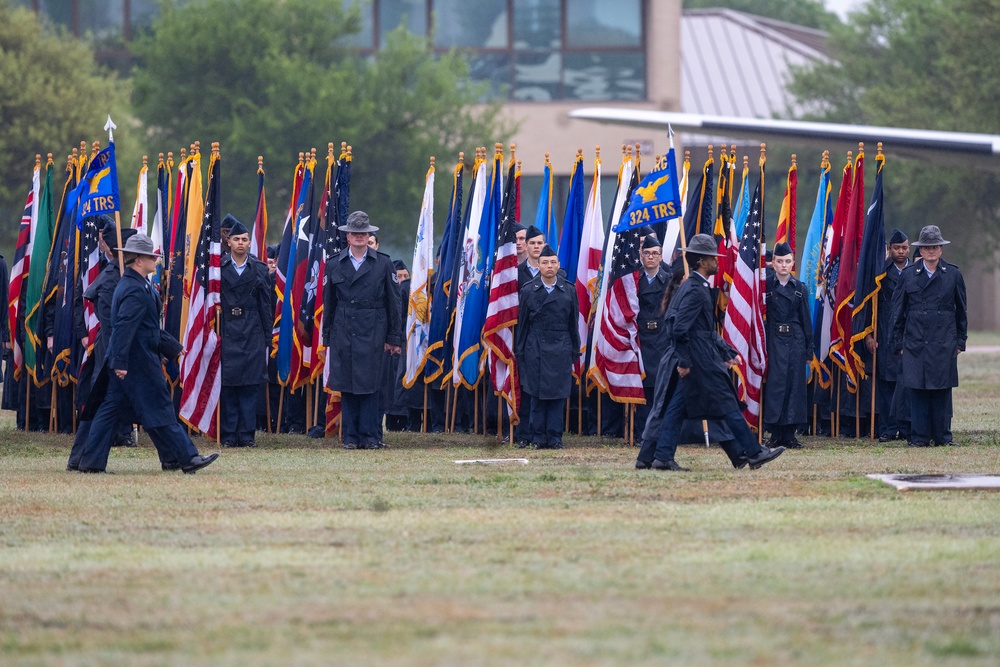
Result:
[
  {"x": 472, "y": 24},
  {"x": 411, "y": 14}
]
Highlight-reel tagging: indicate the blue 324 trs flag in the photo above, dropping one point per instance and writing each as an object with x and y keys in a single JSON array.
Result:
[
  {"x": 656, "y": 200},
  {"x": 97, "y": 191}
]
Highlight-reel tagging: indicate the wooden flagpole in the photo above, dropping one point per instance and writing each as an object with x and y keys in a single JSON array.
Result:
[{"x": 423, "y": 424}]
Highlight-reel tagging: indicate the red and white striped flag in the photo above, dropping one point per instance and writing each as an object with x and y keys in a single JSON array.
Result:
[
  {"x": 588, "y": 267},
  {"x": 503, "y": 307},
  {"x": 201, "y": 376},
  {"x": 744, "y": 324},
  {"x": 19, "y": 271},
  {"x": 616, "y": 336}
]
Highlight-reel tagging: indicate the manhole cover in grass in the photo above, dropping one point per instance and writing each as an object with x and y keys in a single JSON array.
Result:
[{"x": 932, "y": 482}]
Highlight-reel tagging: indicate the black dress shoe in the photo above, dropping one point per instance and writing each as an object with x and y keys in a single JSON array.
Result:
[
  {"x": 170, "y": 467},
  {"x": 740, "y": 464},
  {"x": 642, "y": 465},
  {"x": 885, "y": 438},
  {"x": 556, "y": 445},
  {"x": 248, "y": 443},
  {"x": 766, "y": 455},
  {"x": 199, "y": 462},
  {"x": 229, "y": 443},
  {"x": 793, "y": 444},
  {"x": 669, "y": 465},
  {"x": 70, "y": 467},
  {"x": 950, "y": 443},
  {"x": 915, "y": 443},
  {"x": 95, "y": 471},
  {"x": 522, "y": 444},
  {"x": 350, "y": 445}
]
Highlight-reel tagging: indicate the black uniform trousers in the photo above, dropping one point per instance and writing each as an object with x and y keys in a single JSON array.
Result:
[
  {"x": 548, "y": 421},
  {"x": 360, "y": 415},
  {"x": 887, "y": 423},
  {"x": 642, "y": 411},
  {"x": 172, "y": 442},
  {"x": 238, "y": 413},
  {"x": 743, "y": 447},
  {"x": 931, "y": 416}
]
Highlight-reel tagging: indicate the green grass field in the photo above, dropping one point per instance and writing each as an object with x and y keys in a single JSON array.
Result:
[{"x": 302, "y": 553}]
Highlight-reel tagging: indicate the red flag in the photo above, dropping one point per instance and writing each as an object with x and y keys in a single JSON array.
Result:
[
  {"x": 201, "y": 378},
  {"x": 258, "y": 240},
  {"x": 840, "y": 346},
  {"x": 744, "y": 323}
]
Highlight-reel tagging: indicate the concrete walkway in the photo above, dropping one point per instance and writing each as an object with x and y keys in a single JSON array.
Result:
[{"x": 983, "y": 349}]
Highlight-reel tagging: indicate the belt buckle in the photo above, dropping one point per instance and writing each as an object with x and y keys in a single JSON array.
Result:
[
  {"x": 236, "y": 312},
  {"x": 652, "y": 326},
  {"x": 784, "y": 328}
]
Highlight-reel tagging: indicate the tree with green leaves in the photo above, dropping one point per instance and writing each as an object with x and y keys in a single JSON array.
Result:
[
  {"x": 808, "y": 13},
  {"x": 928, "y": 64},
  {"x": 276, "y": 78},
  {"x": 52, "y": 96}
]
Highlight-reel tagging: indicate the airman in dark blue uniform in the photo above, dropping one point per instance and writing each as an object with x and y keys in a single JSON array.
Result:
[
  {"x": 548, "y": 342},
  {"x": 133, "y": 376},
  {"x": 930, "y": 330},
  {"x": 789, "y": 347},
  {"x": 693, "y": 379},
  {"x": 247, "y": 319},
  {"x": 361, "y": 321},
  {"x": 890, "y": 425},
  {"x": 653, "y": 282}
]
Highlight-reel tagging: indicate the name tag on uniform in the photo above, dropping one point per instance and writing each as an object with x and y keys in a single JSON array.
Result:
[{"x": 236, "y": 312}]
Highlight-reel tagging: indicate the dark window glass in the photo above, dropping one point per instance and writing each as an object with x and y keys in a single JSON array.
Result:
[
  {"x": 59, "y": 11},
  {"x": 143, "y": 12},
  {"x": 470, "y": 23},
  {"x": 104, "y": 18},
  {"x": 537, "y": 24},
  {"x": 591, "y": 23},
  {"x": 537, "y": 76},
  {"x": 493, "y": 68},
  {"x": 412, "y": 14},
  {"x": 364, "y": 39},
  {"x": 604, "y": 75}
]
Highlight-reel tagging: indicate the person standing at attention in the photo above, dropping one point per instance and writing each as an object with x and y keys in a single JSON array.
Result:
[
  {"x": 930, "y": 331},
  {"x": 361, "y": 322},
  {"x": 246, "y": 331}
]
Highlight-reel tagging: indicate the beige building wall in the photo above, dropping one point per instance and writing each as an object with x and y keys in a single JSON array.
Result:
[{"x": 546, "y": 127}]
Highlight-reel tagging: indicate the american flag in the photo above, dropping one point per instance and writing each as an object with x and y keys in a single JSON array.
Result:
[
  {"x": 200, "y": 373},
  {"x": 90, "y": 257},
  {"x": 19, "y": 273},
  {"x": 502, "y": 310},
  {"x": 617, "y": 357},
  {"x": 744, "y": 324}
]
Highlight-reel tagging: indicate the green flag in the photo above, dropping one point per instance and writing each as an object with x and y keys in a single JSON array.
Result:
[{"x": 34, "y": 343}]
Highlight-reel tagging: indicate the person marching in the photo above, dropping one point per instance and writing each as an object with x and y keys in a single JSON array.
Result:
[
  {"x": 246, "y": 333},
  {"x": 133, "y": 372},
  {"x": 930, "y": 330},
  {"x": 693, "y": 379},
  {"x": 789, "y": 348},
  {"x": 548, "y": 342},
  {"x": 100, "y": 293},
  {"x": 361, "y": 321},
  {"x": 653, "y": 283},
  {"x": 890, "y": 425}
]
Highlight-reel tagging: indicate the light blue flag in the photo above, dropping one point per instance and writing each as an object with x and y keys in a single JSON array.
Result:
[
  {"x": 742, "y": 211},
  {"x": 545, "y": 218},
  {"x": 812, "y": 250},
  {"x": 98, "y": 189}
]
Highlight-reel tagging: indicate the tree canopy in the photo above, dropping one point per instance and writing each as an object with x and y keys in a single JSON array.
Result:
[
  {"x": 52, "y": 96},
  {"x": 932, "y": 64},
  {"x": 276, "y": 78}
]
